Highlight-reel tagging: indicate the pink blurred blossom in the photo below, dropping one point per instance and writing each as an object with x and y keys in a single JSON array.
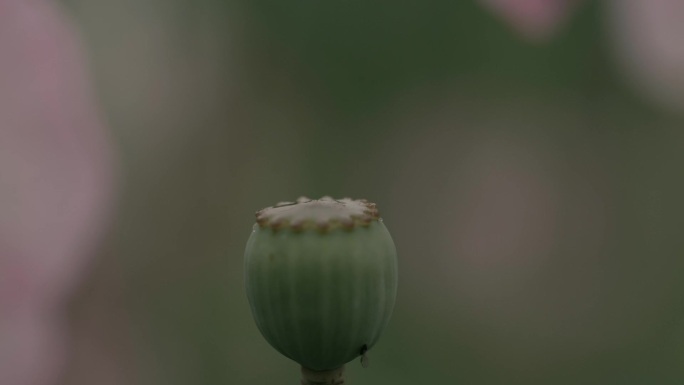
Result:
[
  {"x": 646, "y": 37},
  {"x": 55, "y": 183},
  {"x": 534, "y": 19},
  {"x": 648, "y": 41}
]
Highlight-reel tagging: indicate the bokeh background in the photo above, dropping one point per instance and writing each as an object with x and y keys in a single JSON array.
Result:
[{"x": 527, "y": 157}]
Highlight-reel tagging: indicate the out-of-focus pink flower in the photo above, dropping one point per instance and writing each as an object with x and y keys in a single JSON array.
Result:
[
  {"x": 535, "y": 19},
  {"x": 649, "y": 43},
  {"x": 646, "y": 36},
  {"x": 55, "y": 183}
]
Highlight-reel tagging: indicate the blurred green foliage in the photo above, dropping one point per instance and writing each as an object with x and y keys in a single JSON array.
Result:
[{"x": 221, "y": 108}]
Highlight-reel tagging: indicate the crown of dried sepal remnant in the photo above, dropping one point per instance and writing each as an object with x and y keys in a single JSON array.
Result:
[{"x": 318, "y": 214}]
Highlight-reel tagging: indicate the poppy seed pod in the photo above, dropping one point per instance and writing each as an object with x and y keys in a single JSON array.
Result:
[{"x": 321, "y": 279}]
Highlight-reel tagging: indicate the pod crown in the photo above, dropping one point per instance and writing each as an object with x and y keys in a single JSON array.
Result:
[{"x": 321, "y": 214}]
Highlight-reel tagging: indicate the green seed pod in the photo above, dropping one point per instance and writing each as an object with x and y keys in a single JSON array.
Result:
[{"x": 321, "y": 279}]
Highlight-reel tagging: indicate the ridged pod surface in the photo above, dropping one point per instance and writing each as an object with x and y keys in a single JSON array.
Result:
[{"x": 321, "y": 279}]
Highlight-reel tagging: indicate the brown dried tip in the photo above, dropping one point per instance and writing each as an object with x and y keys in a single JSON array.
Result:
[{"x": 322, "y": 215}]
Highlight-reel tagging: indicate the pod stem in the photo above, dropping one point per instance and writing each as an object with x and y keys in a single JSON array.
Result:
[{"x": 323, "y": 377}]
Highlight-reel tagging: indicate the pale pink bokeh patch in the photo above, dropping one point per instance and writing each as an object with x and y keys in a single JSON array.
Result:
[
  {"x": 648, "y": 41},
  {"x": 55, "y": 185},
  {"x": 645, "y": 36},
  {"x": 535, "y": 19}
]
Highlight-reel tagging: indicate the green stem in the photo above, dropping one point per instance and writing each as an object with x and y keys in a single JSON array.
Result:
[{"x": 323, "y": 377}]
